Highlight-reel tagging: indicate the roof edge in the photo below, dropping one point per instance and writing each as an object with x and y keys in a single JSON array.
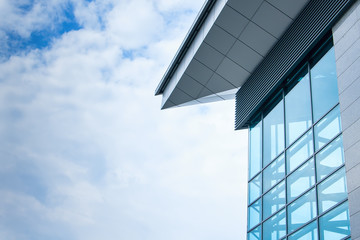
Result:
[{"x": 189, "y": 38}]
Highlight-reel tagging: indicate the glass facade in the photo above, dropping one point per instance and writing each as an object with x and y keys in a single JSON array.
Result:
[{"x": 297, "y": 181}]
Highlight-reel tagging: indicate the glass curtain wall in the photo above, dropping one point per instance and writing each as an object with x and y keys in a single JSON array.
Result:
[{"x": 297, "y": 182}]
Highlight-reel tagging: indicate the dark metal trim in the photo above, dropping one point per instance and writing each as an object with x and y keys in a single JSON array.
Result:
[
  {"x": 204, "y": 12},
  {"x": 313, "y": 23}
]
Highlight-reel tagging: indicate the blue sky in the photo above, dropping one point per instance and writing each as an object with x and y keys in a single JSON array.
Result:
[{"x": 86, "y": 152}]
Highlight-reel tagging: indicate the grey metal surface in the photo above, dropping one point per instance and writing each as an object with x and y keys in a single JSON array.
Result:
[
  {"x": 314, "y": 22},
  {"x": 223, "y": 52},
  {"x": 346, "y": 35}
]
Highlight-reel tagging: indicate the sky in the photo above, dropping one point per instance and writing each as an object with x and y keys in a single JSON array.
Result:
[{"x": 86, "y": 152}]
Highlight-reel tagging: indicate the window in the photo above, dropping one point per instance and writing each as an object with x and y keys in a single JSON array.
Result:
[
  {"x": 298, "y": 107},
  {"x": 274, "y": 133},
  {"x": 255, "y": 150},
  {"x": 297, "y": 180},
  {"x": 274, "y": 173},
  {"x": 335, "y": 224},
  {"x": 274, "y": 200}
]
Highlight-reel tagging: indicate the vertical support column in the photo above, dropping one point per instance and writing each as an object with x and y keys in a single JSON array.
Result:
[{"x": 346, "y": 36}]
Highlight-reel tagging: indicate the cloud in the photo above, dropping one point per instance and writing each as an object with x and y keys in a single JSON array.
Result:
[{"x": 87, "y": 153}]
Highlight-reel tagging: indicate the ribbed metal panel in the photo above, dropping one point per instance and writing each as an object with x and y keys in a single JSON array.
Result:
[{"x": 311, "y": 25}]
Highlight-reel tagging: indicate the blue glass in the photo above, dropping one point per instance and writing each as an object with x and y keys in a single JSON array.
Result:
[
  {"x": 298, "y": 108},
  {"x": 330, "y": 158},
  {"x": 301, "y": 150},
  {"x": 274, "y": 133},
  {"x": 255, "y": 159},
  {"x": 301, "y": 180},
  {"x": 324, "y": 84},
  {"x": 274, "y": 200},
  {"x": 309, "y": 232},
  {"x": 336, "y": 223},
  {"x": 327, "y": 128},
  {"x": 254, "y": 214},
  {"x": 254, "y": 188},
  {"x": 332, "y": 191},
  {"x": 302, "y": 210},
  {"x": 275, "y": 227},
  {"x": 274, "y": 173},
  {"x": 255, "y": 234}
]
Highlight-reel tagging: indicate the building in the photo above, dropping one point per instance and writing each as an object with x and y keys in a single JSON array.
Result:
[{"x": 293, "y": 67}]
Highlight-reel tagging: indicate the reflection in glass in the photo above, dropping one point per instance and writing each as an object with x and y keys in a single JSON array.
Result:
[
  {"x": 300, "y": 151},
  {"x": 302, "y": 210},
  {"x": 275, "y": 227},
  {"x": 255, "y": 234},
  {"x": 255, "y": 150},
  {"x": 274, "y": 133},
  {"x": 309, "y": 232},
  {"x": 330, "y": 158},
  {"x": 274, "y": 173},
  {"x": 274, "y": 200},
  {"x": 336, "y": 223},
  {"x": 298, "y": 108},
  {"x": 332, "y": 191},
  {"x": 327, "y": 128},
  {"x": 255, "y": 188},
  {"x": 324, "y": 84},
  {"x": 254, "y": 214},
  {"x": 301, "y": 180}
]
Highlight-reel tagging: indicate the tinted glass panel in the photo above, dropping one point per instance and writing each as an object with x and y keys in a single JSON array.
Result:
[
  {"x": 274, "y": 133},
  {"x": 324, "y": 84},
  {"x": 275, "y": 227},
  {"x": 255, "y": 188},
  {"x": 335, "y": 224},
  {"x": 274, "y": 173},
  {"x": 332, "y": 191},
  {"x": 254, "y": 214},
  {"x": 298, "y": 109},
  {"x": 330, "y": 158},
  {"x": 327, "y": 128},
  {"x": 302, "y": 210},
  {"x": 301, "y": 180},
  {"x": 309, "y": 232},
  {"x": 274, "y": 200},
  {"x": 300, "y": 151},
  {"x": 255, "y": 234},
  {"x": 255, "y": 150}
]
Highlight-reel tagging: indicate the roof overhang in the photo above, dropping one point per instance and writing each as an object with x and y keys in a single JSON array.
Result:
[{"x": 226, "y": 43}]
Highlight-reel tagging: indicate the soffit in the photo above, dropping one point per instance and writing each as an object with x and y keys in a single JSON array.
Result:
[{"x": 231, "y": 42}]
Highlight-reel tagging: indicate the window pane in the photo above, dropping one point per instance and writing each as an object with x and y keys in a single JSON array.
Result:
[
  {"x": 274, "y": 133},
  {"x": 254, "y": 214},
  {"x": 324, "y": 84},
  {"x": 335, "y": 224},
  {"x": 302, "y": 210},
  {"x": 274, "y": 173},
  {"x": 255, "y": 234},
  {"x": 309, "y": 232},
  {"x": 301, "y": 180},
  {"x": 298, "y": 109},
  {"x": 332, "y": 191},
  {"x": 327, "y": 128},
  {"x": 255, "y": 188},
  {"x": 300, "y": 151},
  {"x": 274, "y": 200},
  {"x": 330, "y": 158},
  {"x": 255, "y": 150},
  {"x": 275, "y": 227}
]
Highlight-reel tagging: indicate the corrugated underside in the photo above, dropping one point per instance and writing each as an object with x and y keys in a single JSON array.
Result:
[{"x": 314, "y": 21}]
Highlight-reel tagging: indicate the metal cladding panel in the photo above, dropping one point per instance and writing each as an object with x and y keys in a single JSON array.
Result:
[{"x": 311, "y": 25}]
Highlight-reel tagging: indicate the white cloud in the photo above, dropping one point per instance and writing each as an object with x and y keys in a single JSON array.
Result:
[
  {"x": 87, "y": 149},
  {"x": 18, "y": 17}
]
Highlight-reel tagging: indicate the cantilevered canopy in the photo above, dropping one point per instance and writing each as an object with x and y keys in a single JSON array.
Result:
[{"x": 227, "y": 41}]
